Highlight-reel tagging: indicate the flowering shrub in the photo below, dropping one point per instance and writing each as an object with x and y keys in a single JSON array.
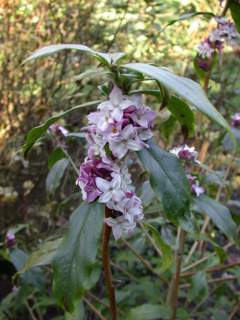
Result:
[{"x": 122, "y": 131}]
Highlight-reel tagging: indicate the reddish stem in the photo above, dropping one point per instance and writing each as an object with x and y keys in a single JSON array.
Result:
[{"x": 106, "y": 266}]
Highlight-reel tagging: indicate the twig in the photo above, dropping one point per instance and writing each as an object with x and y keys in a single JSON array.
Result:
[
  {"x": 131, "y": 276},
  {"x": 107, "y": 267},
  {"x": 30, "y": 310},
  {"x": 216, "y": 280},
  {"x": 151, "y": 240},
  {"x": 172, "y": 298},
  {"x": 95, "y": 310},
  {"x": 141, "y": 258},
  {"x": 225, "y": 9},
  {"x": 214, "y": 269},
  {"x": 235, "y": 310}
]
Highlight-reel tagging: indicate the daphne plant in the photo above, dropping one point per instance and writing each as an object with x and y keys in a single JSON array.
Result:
[{"x": 120, "y": 130}]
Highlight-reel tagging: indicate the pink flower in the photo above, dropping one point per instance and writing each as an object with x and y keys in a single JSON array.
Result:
[
  {"x": 143, "y": 116},
  {"x": 125, "y": 141},
  {"x": 204, "y": 49},
  {"x": 58, "y": 130},
  {"x": 90, "y": 170}
]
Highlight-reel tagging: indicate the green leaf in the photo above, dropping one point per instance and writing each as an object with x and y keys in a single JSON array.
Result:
[
  {"x": 185, "y": 88},
  {"x": 183, "y": 114},
  {"x": 35, "y": 133},
  {"x": 43, "y": 256},
  {"x": 235, "y": 12},
  {"x": 168, "y": 180},
  {"x": 75, "y": 258},
  {"x": 168, "y": 126},
  {"x": 55, "y": 175},
  {"x": 167, "y": 256},
  {"x": 149, "y": 312},
  {"x": 106, "y": 58},
  {"x": 55, "y": 156},
  {"x": 199, "y": 289},
  {"x": 219, "y": 214}
]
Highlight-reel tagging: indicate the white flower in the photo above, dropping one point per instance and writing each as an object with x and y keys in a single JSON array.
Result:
[
  {"x": 127, "y": 140},
  {"x": 204, "y": 49},
  {"x": 185, "y": 152},
  {"x": 120, "y": 226},
  {"x": 110, "y": 189}
]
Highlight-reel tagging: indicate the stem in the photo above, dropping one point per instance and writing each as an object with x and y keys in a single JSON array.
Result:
[
  {"x": 174, "y": 285},
  {"x": 106, "y": 266},
  {"x": 95, "y": 310}
]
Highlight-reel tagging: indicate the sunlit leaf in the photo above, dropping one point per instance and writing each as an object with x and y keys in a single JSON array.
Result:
[
  {"x": 185, "y": 88},
  {"x": 107, "y": 58}
]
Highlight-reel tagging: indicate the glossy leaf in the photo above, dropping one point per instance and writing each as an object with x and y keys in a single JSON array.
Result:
[
  {"x": 219, "y": 215},
  {"x": 168, "y": 180},
  {"x": 55, "y": 175},
  {"x": 183, "y": 114},
  {"x": 185, "y": 88},
  {"x": 106, "y": 58},
  {"x": 35, "y": 133},
  {"x": 75, "y": 258}
]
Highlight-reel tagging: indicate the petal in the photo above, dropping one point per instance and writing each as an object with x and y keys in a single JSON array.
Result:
[
  {"x": 105, "y": 197},
  {"x": 116, "y": 96},
  {"x": 103, "y": 185},
  {"x": 116, "y": 181},
  {"x": 118, "y": 149},
  {"x": 128, "y": 132},
  {"x": 117, "y": 114},
  {"x": 134, "y": 145}
]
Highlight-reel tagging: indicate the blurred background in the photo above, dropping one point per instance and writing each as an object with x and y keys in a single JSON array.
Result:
[{"x": 31, "y": 93}]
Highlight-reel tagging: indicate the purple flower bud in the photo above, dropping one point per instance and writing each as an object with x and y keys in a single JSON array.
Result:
[
  {"x": 10, "y": 239},
  {"x": 185, "y": 152},
  {"x": 58, "y": 130},
  {"x": 236, "y": 120}
]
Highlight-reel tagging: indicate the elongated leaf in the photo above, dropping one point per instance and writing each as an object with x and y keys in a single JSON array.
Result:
[
  {"x": 187, "y": 16},
  {"x": 185, "y": 88},
  {"x": 76, "y": 255},
  {"x": 167, "y": 256},
  {"x": 167, "y": 179},
  {"x": 35, "y": 133},
  {"x": 55, "y": 175},
  {"x": 199, "y": 289},
  {"x": 106, "y": 58},
  {"x": 183, "y": 114},
  {"x": 43, "y": 256},
  {"x": 219, "y": 214}
]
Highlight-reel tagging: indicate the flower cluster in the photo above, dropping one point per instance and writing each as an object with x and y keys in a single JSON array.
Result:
[
  {"x": 189, "y": 154},
  {"x": 225, "y": 31},
  {"x": 236, "y": 120},
  {"x": 196, "y": 189},
  {"x": 119, "y": 125}
]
